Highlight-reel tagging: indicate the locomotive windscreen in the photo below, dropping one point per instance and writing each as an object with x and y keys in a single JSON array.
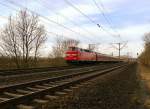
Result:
[{"x": 73, "y": 48}]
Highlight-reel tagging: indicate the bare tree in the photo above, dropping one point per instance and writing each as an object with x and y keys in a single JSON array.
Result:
[
  {"x": 9, "y": 42},
  {"x": 146, "y": 39},
  {"x": 61, "y": 45},
  {"x": 22, "y": 38},
  {"x": 145, "y": 56}
]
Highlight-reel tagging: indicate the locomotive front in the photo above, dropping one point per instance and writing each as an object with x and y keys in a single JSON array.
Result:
[{"x": 72, "y": 54}]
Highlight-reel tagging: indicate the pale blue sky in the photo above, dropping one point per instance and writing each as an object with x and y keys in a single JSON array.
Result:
[{"x": 130, "y": 18}]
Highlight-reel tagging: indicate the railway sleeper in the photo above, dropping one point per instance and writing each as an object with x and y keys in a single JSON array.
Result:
[
  {"x": 48, "y": 85},
  {"x": 41, "y": 103},
  {"x": 24, "y": 91},
  {"x": 64, "y": 98},
  {"x": 74, "y": 88},
  {"x": 22, "y": 106},
  {"x": 61, "y": 94},
  {"x": 68, "y": 90},
  {"x": 34, "y": 89},
  {"x": 52, "y": 85},
  {"x": 3, "y": 99},
  {"x": 12, "y": 94},
  {"x": 60, "y": 99},
  {"x": 70, "y": 93},
  {"x": 54, "y": 101},
  {"x": 80, "y": 85},
  {"x": 41, "y": 86},
  {"x": 50, "y": 97},
  {"x": 49, "y": 101}
]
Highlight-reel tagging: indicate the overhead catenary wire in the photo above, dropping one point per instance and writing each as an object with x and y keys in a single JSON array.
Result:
[
  {"x": 3, "y": 4},
  {"x": 91, "y": 20},
  {"x": 74, "y": 23},
  {"x": 103, "y": 14},
  {"x": 16, "y": 4},
  {"x": 46, "y": 18},
  {"x": 56, "y": 22},
  {"x": 48, "y": 32}
]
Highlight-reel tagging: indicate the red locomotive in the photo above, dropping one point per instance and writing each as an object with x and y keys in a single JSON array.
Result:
[{"x": 75, "y": 54}]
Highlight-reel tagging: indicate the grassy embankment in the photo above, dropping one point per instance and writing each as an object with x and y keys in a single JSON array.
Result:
[
  {"x": 145, "y": 84},
  {"x": 7, "y": 63}
]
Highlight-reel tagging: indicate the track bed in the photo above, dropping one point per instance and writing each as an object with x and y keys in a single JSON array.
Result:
[
  {"x": 115, "y": 90},
  {"x": 37, "y": 94}
]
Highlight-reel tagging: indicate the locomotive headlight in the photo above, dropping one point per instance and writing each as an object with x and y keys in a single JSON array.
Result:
[
  {"x": 71, "y": 54},
  {"x": 74, "y": 54}
]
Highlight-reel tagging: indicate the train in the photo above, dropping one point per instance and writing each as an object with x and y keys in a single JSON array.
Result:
[{"x": 79, "y": 55}]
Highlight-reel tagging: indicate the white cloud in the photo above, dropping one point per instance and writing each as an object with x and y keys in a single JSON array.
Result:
[
  {"x": 134, "y": 33},
  {"x": 3, "y": 20}
]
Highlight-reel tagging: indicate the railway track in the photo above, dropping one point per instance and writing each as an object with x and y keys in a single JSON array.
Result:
[
  {"x": 26, "y": 77},
  {"x": 14, "y": 72},
  {"x": 33, "y": 94},
  {"x": 10, "y": 72}
]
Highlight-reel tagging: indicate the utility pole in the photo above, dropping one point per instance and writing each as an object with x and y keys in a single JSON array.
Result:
[{"x": 120, "y": 47}]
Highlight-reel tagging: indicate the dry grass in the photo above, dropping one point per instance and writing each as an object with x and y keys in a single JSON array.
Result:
[
  {"x": 8, "y": 63},
  {"x": 145, "y": 74},
  {"x": 145, "y": 82}
]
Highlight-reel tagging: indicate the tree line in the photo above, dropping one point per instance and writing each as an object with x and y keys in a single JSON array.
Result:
[
  {"x": 145, "y": 56},
  {"x": 22, "y": 38}
]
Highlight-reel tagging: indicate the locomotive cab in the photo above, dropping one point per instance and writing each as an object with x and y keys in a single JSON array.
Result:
[
  {"x": 78, "y": 55},
  {"x": 72, "y": 54}
]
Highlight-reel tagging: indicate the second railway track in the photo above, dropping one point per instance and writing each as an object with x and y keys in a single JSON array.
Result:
[
  {"x": 30, "y": 94},
  {"x": 26, "y": 77},
  {"x": 12, "y": 72}
]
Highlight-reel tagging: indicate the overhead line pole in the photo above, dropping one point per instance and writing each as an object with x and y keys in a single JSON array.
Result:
[{"x": 120, "y": 47}]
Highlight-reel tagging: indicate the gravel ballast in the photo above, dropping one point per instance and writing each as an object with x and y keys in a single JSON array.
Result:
[{"x": 116, "y": 90}]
